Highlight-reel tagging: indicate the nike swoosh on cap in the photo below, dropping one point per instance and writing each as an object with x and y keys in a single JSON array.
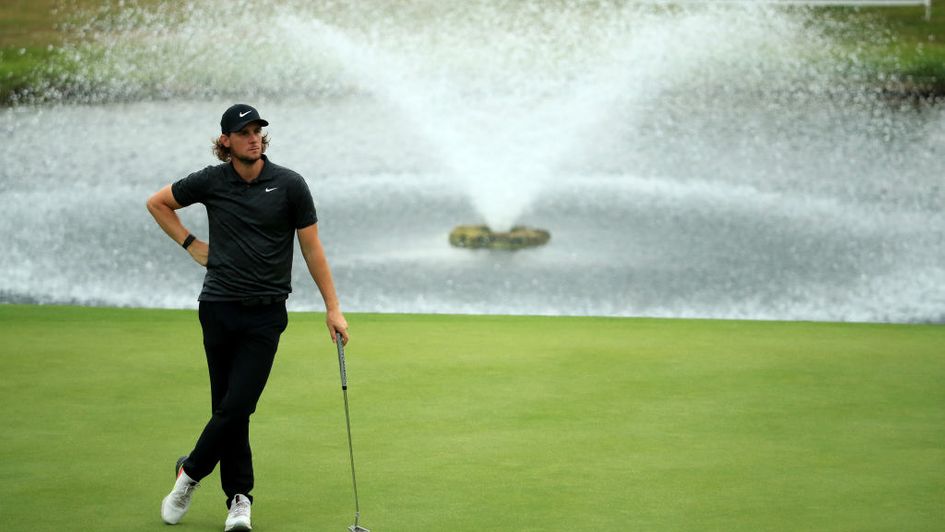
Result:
[{"x": 244, "y": 114}]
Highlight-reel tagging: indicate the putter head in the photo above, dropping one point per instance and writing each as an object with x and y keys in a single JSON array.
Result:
[{"x": 356, "y": 528}]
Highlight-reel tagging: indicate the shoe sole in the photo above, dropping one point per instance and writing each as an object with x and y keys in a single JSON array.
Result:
[{"x": 238, "y": 528}]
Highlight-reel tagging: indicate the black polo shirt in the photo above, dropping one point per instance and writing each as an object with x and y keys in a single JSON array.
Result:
[{"x": 252, "y": 226}]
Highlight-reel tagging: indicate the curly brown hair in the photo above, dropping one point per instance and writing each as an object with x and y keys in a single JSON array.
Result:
[{"x": 223, "y": 153}]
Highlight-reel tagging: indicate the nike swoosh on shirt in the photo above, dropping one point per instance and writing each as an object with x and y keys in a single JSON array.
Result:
[
  {"x": 244, "y": 114},
  {"x": 271, "y": 189}
]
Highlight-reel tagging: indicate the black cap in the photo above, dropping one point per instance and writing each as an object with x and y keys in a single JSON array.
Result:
[{"x": 237, "y": 116}]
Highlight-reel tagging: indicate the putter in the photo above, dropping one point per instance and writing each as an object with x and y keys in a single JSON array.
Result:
[{"x": 344, "y": 389}]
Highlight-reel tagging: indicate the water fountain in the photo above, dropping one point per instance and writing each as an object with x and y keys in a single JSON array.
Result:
[{"x": 704, "y": 161}]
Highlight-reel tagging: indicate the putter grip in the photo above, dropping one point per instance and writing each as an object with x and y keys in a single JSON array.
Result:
[{"x": 341, "y": 362}]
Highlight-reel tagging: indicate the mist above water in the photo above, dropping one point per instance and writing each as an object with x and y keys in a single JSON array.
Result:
[
  {"x": 704, "y": 161},
  {"x": 503, "y": 95}
]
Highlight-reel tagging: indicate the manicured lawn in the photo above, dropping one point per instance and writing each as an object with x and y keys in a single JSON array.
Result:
[{"x": 473, "y": 423}]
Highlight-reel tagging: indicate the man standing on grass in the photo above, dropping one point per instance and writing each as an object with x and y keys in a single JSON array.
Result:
[{"x": 254, "y": 206}]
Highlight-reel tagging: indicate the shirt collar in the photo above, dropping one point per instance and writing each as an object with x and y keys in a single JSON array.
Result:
[{"x": 264, "y": 175}]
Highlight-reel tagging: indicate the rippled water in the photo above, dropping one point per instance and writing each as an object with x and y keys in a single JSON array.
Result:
[{"x": 688, "y": 162}]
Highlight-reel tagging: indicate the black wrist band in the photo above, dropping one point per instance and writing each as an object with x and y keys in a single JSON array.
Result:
[{"x": 188, "y": 241}]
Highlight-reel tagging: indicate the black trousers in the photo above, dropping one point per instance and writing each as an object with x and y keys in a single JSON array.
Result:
[{"x": 240, "y": 341}]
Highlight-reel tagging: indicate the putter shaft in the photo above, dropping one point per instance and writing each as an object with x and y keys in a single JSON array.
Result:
[{"x": 354, "y": 481}]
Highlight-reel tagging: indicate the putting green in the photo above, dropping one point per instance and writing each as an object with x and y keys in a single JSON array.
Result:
[{"x": 475, "y": 423}]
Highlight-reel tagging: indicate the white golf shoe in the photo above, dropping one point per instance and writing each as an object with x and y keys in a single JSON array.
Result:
[
  {"x": 238, "y": 516},
  {"x": 177, "y": 502}
]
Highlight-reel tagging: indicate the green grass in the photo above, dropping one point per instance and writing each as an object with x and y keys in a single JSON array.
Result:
[{"x": 466, "y": 423}]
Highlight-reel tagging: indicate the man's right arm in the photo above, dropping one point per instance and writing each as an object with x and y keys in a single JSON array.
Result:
[{"x": 162, "y": 207}]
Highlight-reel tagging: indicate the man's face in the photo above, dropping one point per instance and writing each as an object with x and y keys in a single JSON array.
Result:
[{"x": 245, "y": 144}]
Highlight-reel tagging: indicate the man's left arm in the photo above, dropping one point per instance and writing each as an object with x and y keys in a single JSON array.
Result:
[{"x": 314, "y": 255}]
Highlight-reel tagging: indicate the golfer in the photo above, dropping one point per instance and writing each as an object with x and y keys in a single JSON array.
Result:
[{"x": 254, "y": 207}]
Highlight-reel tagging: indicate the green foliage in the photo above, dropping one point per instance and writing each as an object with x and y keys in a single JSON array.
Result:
[
  {"x": 897, "y": 43},
  {"x": 905, "y": 51}
]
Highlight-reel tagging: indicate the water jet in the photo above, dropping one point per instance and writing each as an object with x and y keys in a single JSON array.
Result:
[{"x": 700, "y": 161}]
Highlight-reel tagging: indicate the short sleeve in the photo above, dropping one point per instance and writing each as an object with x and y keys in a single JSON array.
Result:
[
  {"x": 303, "y": 206},
  {"x": 193, "y": 188}
]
